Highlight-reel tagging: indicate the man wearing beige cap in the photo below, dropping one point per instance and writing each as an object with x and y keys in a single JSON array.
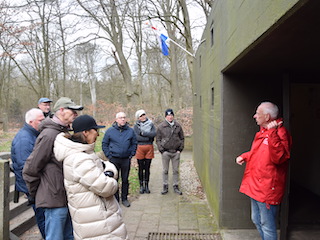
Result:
[{"x": 43, "y": 173}]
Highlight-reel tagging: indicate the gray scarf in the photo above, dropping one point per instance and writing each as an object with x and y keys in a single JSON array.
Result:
[{"x": 145, "y": 127}]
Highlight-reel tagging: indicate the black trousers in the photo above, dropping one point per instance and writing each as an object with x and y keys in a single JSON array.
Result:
[
  {"x": 123, "y": 167},
  {"x": 144, "y": 169}
]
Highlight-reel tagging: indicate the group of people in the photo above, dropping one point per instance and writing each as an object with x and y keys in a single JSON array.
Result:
[
  {"x": 75, "y": 194},
  {"x": 73, "y": 191}
]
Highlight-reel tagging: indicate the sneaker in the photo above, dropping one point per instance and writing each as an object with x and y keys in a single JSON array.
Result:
[
  {"x": 125, "y": 203},
  {"x": 176, "y": 190}
]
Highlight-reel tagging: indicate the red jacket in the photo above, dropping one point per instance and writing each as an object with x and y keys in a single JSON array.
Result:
[{"x": 266, "y": 165}]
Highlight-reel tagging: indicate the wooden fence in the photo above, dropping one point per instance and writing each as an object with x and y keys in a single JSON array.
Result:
[{"x": 16, "y": 216}]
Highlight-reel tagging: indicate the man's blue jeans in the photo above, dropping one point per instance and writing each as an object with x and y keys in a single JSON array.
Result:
[
  {"x": 39, "y": 213},
  {"x": 264, "y": 217},
  {"x": 58, "y": 224}
]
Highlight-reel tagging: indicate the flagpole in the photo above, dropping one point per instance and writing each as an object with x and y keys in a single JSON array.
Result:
[{"x": 192, "y": 55}]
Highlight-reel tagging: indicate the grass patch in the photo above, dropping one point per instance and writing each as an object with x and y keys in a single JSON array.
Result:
[
  {"x": 5, "y": 141},
  {"x": 134, "y": 186},
  {"x": 5, "y": 146}
]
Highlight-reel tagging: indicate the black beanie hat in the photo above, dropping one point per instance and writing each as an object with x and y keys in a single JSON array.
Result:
[{"x": 169, "y": 111}]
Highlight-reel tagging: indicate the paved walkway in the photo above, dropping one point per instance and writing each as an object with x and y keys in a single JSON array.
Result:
[{"x": 170, "y": 213}]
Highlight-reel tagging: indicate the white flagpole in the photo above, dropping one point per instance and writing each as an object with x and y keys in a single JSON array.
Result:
[{"x": 192, "y": 55}]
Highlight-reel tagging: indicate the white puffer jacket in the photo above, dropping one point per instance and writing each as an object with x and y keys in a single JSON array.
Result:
[{"x": 94, "y": 210}]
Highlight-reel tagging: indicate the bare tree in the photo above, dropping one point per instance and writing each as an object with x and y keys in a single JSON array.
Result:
[
  {"x": 88, "y": 56},
  {"x": 8, "y": 43},
  {"x": 167, "y": 12},
  {"x": 137, "y": 15},
  {"x": 35, "y": 44},
  {"x": 206, "y": 6},
  {"x": 110, "y": 16},
  {"x": 186, "y": 33}
]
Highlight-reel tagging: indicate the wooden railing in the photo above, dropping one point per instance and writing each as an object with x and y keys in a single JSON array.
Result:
[{"x": 16, "y": 216}]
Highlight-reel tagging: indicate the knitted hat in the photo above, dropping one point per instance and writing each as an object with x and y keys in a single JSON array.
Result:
[
  {"x": 139, "y": 113},
  {"x": 169, "y": 111}
]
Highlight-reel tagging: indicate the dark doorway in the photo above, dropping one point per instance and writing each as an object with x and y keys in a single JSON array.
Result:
[
  {"x": 304, "y": 194},
  {"x": 290, "y": 50}
]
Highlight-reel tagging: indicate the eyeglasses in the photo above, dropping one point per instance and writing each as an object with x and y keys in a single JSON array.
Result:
[{"x": 142, "y": 115}]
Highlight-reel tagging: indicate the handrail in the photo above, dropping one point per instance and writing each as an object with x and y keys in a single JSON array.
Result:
[
  {"x": 4, "y": 198},
  {"x": 5, "y": 212}
]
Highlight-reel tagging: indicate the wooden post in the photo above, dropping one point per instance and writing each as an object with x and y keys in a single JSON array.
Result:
[{"x": 4, "y": 198}]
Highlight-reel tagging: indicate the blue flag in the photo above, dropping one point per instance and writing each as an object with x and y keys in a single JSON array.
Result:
[{"x": 164, "y": 45}]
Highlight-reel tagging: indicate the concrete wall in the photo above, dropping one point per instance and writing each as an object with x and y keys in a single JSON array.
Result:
[{"x": 237, "y": 27}]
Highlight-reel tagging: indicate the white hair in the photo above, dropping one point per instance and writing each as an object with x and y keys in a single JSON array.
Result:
[
  {"x": 120, "y": 113},
  {"x": 270, "y": 108},
  {"x": 32, "y": 114}
]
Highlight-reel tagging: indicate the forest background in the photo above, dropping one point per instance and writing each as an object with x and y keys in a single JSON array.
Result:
[{"x": 104, "y": 55}]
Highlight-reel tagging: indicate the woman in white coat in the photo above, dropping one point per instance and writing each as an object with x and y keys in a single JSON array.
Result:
[{"x": 90, "y": 183}]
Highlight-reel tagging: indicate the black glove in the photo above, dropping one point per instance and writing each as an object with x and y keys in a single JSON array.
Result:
[
  {"x": 31, "y": 200},
  {"x": 109, "y": 173}
]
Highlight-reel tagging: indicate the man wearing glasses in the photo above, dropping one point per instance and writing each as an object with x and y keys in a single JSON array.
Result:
[
  {"x": 44, "y": 104},
  {"x": 43, "y": 174},
  {"x": 119, "y": 144}
]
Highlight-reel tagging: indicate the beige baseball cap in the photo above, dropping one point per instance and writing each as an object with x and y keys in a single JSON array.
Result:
[{"x": 65, "y": 102}]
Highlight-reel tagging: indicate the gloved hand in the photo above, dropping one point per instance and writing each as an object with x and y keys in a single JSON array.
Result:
[
  {"x": 110, "y": 167},
  {"x": 31, "y": 200},
  {"x": 109, "y": 173}
]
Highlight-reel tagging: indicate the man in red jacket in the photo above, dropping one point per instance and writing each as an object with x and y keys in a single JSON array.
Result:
[{"x": 266, "y": 169}]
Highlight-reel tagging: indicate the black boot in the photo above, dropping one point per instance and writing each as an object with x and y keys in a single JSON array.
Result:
[
  {"x": 176, "y": 189},
  {"x": 146, "y": 187},
  {"x": 165, "y": 189},
  {"x": 142, "y": 190}
]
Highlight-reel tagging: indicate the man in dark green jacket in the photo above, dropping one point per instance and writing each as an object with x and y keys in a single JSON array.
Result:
[{"x": 170, "y": 142}]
